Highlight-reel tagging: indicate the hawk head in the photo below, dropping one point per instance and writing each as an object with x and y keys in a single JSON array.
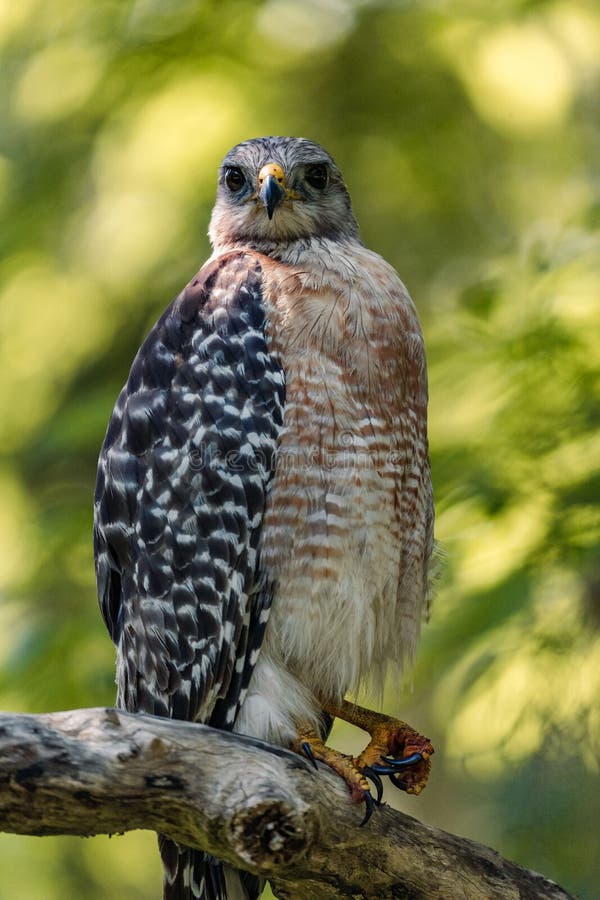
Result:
[{"x": 275, "y": 190}]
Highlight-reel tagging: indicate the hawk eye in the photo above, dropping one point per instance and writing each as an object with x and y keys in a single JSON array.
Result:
[
  {"x": 316, "y": 176},
  {"x": 234, "y": 179}
]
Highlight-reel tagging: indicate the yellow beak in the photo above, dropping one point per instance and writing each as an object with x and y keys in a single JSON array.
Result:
[{"x": 271, "y": 187}]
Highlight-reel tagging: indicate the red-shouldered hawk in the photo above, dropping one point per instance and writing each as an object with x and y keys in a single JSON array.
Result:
[{"x": 263, "y": 512}]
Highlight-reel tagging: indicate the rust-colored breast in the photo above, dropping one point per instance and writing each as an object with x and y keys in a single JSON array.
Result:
[{"x": 347, "y": 532}]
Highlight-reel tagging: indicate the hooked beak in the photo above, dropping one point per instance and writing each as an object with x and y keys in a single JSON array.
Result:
[{"x": 271, "y": 187}]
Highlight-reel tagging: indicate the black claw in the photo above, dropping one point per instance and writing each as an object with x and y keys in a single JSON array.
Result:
[
  {"x": 398, "y": 783},
  {"x": 401, "y": 763},
  {"x": 309, "y": 754},
  {"x": 381, "y": 770},
  {"x": 370, "y": 804},
  {"x": 368, "y": 771},
  {"x": 392, "y": 765}
]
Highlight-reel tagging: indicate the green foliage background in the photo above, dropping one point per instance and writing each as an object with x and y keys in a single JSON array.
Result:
[{"x": 469, "y": 135}]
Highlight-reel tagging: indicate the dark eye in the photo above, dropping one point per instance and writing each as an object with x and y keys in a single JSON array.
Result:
[
  {"x": 234, "y": 178},
  {"x": 316, "y": 176}
]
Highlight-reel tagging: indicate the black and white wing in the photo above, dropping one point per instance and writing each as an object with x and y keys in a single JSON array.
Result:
[{"x": 182, "y": 484}]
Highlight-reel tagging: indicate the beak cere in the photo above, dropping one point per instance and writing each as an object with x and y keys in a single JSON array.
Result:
[{"x": 271, "y": 187}]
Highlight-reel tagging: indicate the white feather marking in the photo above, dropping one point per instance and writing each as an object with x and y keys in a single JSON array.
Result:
[{"x": 276, "y": 700}]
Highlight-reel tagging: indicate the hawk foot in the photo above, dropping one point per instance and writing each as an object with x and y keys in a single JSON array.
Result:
[
  {"x": 399, "y": 751},
  {"x": 395, "y": 749},
  {"x": 309, "y": 744}
]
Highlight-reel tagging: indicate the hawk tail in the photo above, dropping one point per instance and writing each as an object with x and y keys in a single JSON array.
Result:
[{"x": 194, "y": 875}]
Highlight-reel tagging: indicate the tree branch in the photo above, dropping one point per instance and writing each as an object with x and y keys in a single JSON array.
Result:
[{"x": 98, "y": 771}]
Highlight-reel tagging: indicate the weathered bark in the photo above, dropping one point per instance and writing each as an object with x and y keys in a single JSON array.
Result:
[{"x": 98, "y": 771}]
